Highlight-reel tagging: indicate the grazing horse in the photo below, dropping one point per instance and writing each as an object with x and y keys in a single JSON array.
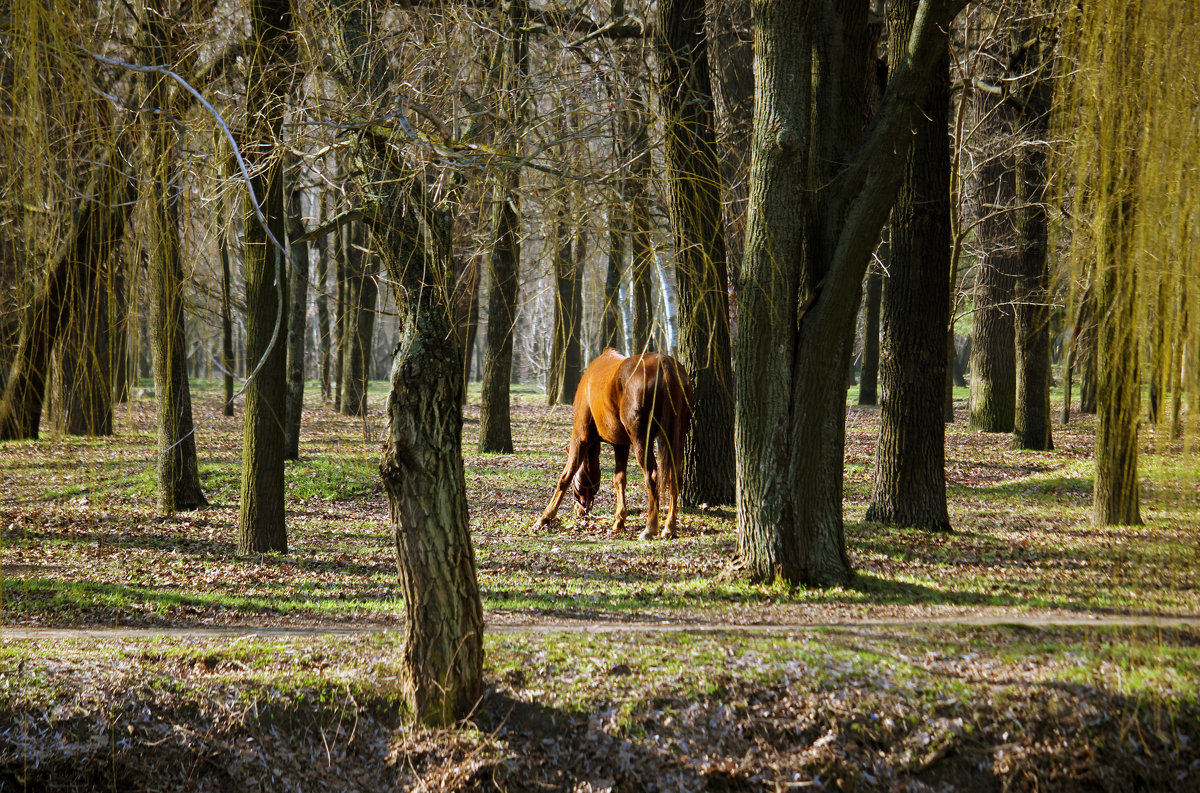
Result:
[{"x": 627, "y": 402}]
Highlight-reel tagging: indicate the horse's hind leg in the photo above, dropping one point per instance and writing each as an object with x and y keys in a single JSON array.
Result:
[
  {"x": 670, "y": 482},
  {"x": 620, "y": 467},
  {"x": 645, "y": 457},
  {"x": 673, "y": 443}
]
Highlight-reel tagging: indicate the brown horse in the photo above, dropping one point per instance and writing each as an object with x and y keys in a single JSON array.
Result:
[{"x": 627, "y": 402}]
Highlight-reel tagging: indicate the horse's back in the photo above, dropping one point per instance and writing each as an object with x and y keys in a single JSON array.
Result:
[
  {"x": 597, "y": 397},
  {"x": 656, "y": 386}
]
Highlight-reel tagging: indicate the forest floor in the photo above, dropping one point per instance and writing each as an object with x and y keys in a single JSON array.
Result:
[{"x": 1027, "y": 650}]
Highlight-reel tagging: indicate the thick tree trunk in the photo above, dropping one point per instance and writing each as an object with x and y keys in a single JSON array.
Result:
[
  {"x": 1031, "y": 426},
  {"x": 421, "y": 466},
  {"x": 694, "y": 191},
  {"x": 261, "y": 525},
  {"x": 910, "y": 473},
  {"x": 993, "y": 352},
  {"x": 297, "y": 322},
  {"x": 422, "y": 472},
  {"x": 810, "y": 234}
]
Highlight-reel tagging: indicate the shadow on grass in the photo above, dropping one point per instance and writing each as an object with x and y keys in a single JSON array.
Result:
[
  {"x": 75, "y": 602},
  {"x": 1024, "y": 488}
]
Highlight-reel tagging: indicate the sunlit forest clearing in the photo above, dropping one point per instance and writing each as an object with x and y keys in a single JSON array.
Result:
[{"x": 1021, "y": 642}]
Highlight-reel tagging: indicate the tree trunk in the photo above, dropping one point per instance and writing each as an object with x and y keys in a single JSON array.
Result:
[
  {"x": 495, "y": 428},
  {"x": 82, "y": 361},
  {"x": 422, "y": 466},
  {"x": 817, "y": 203},
  {"x": 297, "y": 321},
  {"x": 360, "y": 295},
  {"x": 562, "y": 378},
  {"x": 868, "y": 392},
  {"x": 340, "y": 313},
  {"x": 642, "y": 250},
  {"x": 422, "y": 472},
  {"x": 612, "y": 325},
  {"x": 178, "y": 470},
  {"x": 910, "y": 473},
  {"x": 694, "y": 201},
  {"x": 261, "y": 526},
  {"x": 993, "y": 352},
  {"x": 1116, "y": 499},
  {"x": 466, "y": 303},
  {"x": 323, "y": 332},
  {"x": 1031, "y": 426},
  {"x": 228, "y": 361}
]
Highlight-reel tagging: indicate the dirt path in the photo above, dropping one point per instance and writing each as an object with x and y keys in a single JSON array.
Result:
[{"x": 33, "y": 633}]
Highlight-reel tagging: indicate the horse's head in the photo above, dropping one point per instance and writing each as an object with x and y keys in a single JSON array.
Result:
[{"x": 587, "y": 479}]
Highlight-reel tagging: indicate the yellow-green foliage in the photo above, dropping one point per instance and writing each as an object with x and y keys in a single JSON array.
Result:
[{"x": 1127, "y": 109}]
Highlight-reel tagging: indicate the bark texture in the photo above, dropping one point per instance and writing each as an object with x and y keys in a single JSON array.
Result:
[
  {"x": 694, "y": 202},
  {"x": 910, "y": 473},
  {"x": 178, "y": 470},
  {"x": 807, "y": 250}
]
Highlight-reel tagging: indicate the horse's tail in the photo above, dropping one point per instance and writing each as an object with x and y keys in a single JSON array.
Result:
[{"x": 677, "y": 389}]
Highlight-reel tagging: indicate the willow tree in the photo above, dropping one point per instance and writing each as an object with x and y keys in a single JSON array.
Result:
[
  {"x": 820, "y": 192},
  {"x": 178, "y": 470},
  {"x": 51, "y": 75},
  {"x": 1129, "y": 116},
  {"x": 261, "y": 521}
]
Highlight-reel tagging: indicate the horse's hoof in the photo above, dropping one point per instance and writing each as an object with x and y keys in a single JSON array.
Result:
[
  {"x": 668, "y": 534},
  {"x": 647, "y": 534}
]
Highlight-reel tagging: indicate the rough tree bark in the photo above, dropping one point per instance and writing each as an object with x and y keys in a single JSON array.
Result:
[
  {"x": 807, "y": 251},
  {"x": 910, "y": 473},
  {"x": 422, "y": 466},
  {"x": 694, "y": 202}
]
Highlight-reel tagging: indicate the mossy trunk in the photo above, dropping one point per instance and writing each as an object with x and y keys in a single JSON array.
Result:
[{"x": 262, "y": 525}]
